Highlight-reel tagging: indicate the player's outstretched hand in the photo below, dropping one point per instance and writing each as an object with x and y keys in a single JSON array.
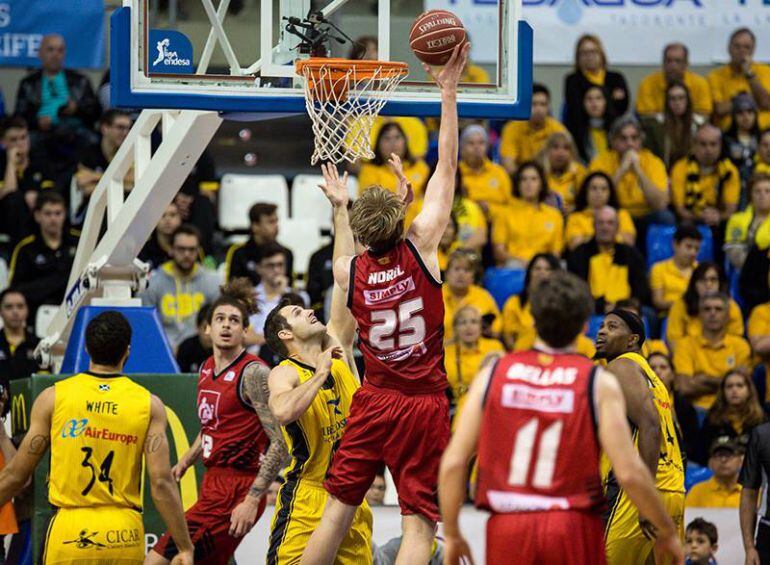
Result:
[
  {"x": 244, "y": 516},
  {"x": 449, "y": 75},
  {"x": 668, "y": 549},
  {"x": 183, "y": 558},
  {"x": 457, "y": 551},
  {"x": 334, "y": 187},
  {"x": 405, "y": 191}
]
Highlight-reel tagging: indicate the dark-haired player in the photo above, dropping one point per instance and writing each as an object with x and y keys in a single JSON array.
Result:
[
  {"x": 630, "y": 539},
  {"x": 539, "y": 420},
  {"x": 100, "y": 425},
  {"x": 239, "y": 442}
]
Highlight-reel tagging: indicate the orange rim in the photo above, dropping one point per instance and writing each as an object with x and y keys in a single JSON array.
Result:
[{"x": 338, "y": 68}]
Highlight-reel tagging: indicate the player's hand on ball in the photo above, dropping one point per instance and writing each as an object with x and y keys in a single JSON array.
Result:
[
  {"x": 244, "y": 516},
  {"x": 450, "y": 74},
  {"x": 405, "y": 191},
  {"x": 334, "y": 187},
  {"x": 183, "y": 558},
  {"x": 668, "y": 549},
  {"x": 457, "y": 551}
]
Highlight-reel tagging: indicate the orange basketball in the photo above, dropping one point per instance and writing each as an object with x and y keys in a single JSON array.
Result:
[{"x": 434, "y": 35}]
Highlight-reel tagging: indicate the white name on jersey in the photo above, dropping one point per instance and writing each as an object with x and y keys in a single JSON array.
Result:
[
  {"x": 542, "y": 377},
  {"x": 385, "y": 276}
]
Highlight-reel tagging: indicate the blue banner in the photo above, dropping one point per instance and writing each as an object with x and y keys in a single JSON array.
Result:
[{"x": 23, "y": 23}]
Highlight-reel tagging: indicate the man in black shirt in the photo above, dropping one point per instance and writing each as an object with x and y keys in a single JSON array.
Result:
[
  {"x": 41, "y": 263},
  {"x": 756, "y": 463},
  {"x": 193, "y": 351},
  {"x": 243, "y": 258},
  {"x": 17, "y": 342}
]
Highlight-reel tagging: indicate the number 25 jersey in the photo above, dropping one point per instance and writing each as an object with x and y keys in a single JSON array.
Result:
[{"x": 98, "y": 430}]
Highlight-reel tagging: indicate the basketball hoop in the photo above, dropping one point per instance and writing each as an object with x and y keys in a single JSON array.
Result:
[{"x": 343, "y": 97}]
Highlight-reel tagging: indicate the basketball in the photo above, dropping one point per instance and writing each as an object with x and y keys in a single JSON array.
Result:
[{"x": 434, "y": 35}]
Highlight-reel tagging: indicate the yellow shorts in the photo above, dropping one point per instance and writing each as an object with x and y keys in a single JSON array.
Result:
[
  {"x": 102, "y": 536},
  {"x": 298, "y": 512},
  {"x": 626, "y": 544}
]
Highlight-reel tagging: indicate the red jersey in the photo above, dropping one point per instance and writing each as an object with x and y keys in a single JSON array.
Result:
[
  {"x": 538, "y": 446},
  {"x": 231, "y": 432},
  {"x": 400, "y": 313}
]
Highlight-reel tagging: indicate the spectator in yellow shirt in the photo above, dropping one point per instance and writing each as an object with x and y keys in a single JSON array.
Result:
[
  {"x": 447, "y": 244},
  {"x": 379, "y": 173},
  {"x": 639, "y": 176},
  {"x": 762, "y": 165},
  {"x": 752, "y": 226},
  {"x": 759, "y": 332},
  {"x": 722, "y": 489},
  {"x": 467, "y": 353},
  {"x": 485, "y": 182},
  {"x": 559, "y": 160},
  {"x": 529, "y": 226},
  {"x": 650, "y": 98},
  {"x": 704, "y": 187},
  {"x": 669, "y": 278},
  {"x": 463, "y": 269},
  {"x": 683, "y": 317},
  {"x": 702, "y": 360},
  {"x": 741, "y": 74},
  {"x": 521, "y": 141},
  {"x": 596, "y": 192}
]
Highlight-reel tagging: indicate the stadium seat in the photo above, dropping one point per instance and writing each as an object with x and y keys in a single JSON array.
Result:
[
  {"x": 303, "y": 237},
  {"x": 238, "y": 192},
  {"x": 43, "y": 318},
  {"x": 660, "y": 241},
  {"x": 695, "y": 474},
  {"x": 308, "y": 201},
  {"x": 503, "y": 283}
]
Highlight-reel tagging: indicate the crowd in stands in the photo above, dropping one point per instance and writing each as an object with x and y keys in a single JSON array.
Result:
[{"x": 659, "y": 200}]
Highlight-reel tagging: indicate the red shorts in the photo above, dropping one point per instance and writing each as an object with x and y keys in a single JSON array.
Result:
[
  {"x": 554, "y": 537},
  {"x": 209, "y": 518},
  {"x": 406, "y": 433}
]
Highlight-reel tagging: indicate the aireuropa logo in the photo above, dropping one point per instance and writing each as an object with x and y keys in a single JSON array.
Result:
[
  {"x": 572, "y": 11},
  {"x": 169, "y": 52},
  {"x": 73, "y": 428}
]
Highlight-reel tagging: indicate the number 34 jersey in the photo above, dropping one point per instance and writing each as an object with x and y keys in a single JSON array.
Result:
[{"x": 98, "y": 430}]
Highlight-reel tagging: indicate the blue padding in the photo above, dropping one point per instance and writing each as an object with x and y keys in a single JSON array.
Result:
[
  {"x": 503, "y": 283},
  {"x": 150, "y": 350},
  {"x": 594, "y": 323},
  {"x": 660, "y": 243},
  {"x": 695, "y": 474}
]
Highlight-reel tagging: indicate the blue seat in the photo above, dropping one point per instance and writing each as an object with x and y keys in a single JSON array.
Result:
[
  {"x": 594, "y": 323},
  {"x": 660, "y": 243},
  {"x": 695, "y": 474},
  {"x": 503, "y": 283}
]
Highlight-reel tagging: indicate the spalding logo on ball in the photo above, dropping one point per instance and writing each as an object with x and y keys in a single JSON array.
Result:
[{"x": 434, "y": 35}]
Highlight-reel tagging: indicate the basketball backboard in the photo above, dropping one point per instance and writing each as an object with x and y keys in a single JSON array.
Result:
[{"x": 245, "y": 63}]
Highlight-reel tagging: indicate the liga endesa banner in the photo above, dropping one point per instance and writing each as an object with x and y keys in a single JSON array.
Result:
[
  {"x": 23, "y": 23},
  {"x": 634, "y": 32},
  {"x": 178, "y": 393}
]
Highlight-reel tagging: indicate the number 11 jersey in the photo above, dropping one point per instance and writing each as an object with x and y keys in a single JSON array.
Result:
[{"x": 98, "y": 430}]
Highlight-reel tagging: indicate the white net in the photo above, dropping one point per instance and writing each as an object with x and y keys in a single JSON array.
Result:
[{"x": 343, "y": 101}]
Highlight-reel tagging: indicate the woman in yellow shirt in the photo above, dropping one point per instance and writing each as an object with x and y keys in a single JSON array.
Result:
[
  {"x": 596, "y": 191},
  {"x": 391, "y": 139},
  {"x": 683, "y": 317},
  {"x": 565, "y": 174},
  {"x": 467, "y": 353},
  {"x": 528, "y": 226}
]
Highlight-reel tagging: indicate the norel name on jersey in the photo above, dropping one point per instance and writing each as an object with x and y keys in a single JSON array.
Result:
[
  {"x": 385, "y": 276},
  {"x": 540, "y": 376}
]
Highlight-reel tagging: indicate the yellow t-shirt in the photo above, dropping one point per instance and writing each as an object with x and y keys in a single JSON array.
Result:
[
  {"x": 608, "y": 280},
  {"x": 490, "y": 183},
  {"x": 666, "y": 276},
  {"x": 469, "y": 215},
  {"x": 580, "y": 225},
  {"x": 694, "y": 195},
  {"x": 651, "y": 346},
  {"x": 414, "y": 129},
  {"x": 759, "y": 321},
  {"x": 630, "y": 194},
  {"x": 695, "y": 355},
  {"x": 725, "y": 84},
  {"x": 651, "y": 96},
  {"x": 417, "y": 173},
  {"x": 443, "y": 256},
  {"x": 681, "y": 325},
  {"x": 596, "y": 77},
  {"x": 477, "y": 297},
  {"x": 710, "y": 494},
  {"x": 475, "y": 74},
  {"x": 599, "y": 140},
  {"x": 463, "y": 364},
  {"x": 521, "y": 142},
  {"x": 738, "y": 229},
  {"x": 525, "y": 230},
  {"x": 567, "y": 184}
]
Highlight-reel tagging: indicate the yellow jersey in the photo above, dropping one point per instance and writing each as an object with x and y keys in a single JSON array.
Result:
[
  {"x": 313, "y": 438},
  {"x": 98, "y": 429},
  {"x": 670, "y": 475}
]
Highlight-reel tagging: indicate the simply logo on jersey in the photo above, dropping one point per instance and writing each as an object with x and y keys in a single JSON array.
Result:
[
  {"x": 552, "y": 400},
  {"x": 390, "y": 293},
  {"x": 173, "y": 52}
]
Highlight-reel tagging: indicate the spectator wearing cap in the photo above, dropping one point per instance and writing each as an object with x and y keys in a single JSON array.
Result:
[
  {"x": 529, "y": 226},
  {"x": 756, "y": 467},
  {"x": 742, "y": 139},
  {"x": 392, "y": 139},
  {"x": 741, "y": 74},
  {"x": 614, "y": 271},
  {"x": 752, "y": 225},
  {"x": 702, "y": 360},
  {"x": 242, "y": 258},
  {"x": 651, "y": 95},
  {"x": 669, "y": 278},
  {"x": 722, "y": 490},
  {"x": 565, "y": 174},
  {"x": 17, "y": 342},
  {"x": 486, "y": 183},
  {"x": 639, "y": 177},
  {"x": 521, "y": 141}
]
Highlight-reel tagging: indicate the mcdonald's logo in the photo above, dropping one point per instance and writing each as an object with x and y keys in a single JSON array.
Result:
[{"x": 18, "y": 414}]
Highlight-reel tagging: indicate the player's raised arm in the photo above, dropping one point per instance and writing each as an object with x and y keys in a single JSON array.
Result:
[{"x": 430, "y": 223}]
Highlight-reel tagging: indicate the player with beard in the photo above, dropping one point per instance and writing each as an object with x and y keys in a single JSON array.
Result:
[
  {"x": 239, "y": 439},
  {"x": 629, "y": 537}
]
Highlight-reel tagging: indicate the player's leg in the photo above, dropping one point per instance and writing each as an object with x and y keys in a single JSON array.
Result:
[
  {"x": 417, "y": 541},
  {"x": 356, "y": 548},
  {"x": 325, "y": 541},
  {"x": 626, "y": 544}
]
